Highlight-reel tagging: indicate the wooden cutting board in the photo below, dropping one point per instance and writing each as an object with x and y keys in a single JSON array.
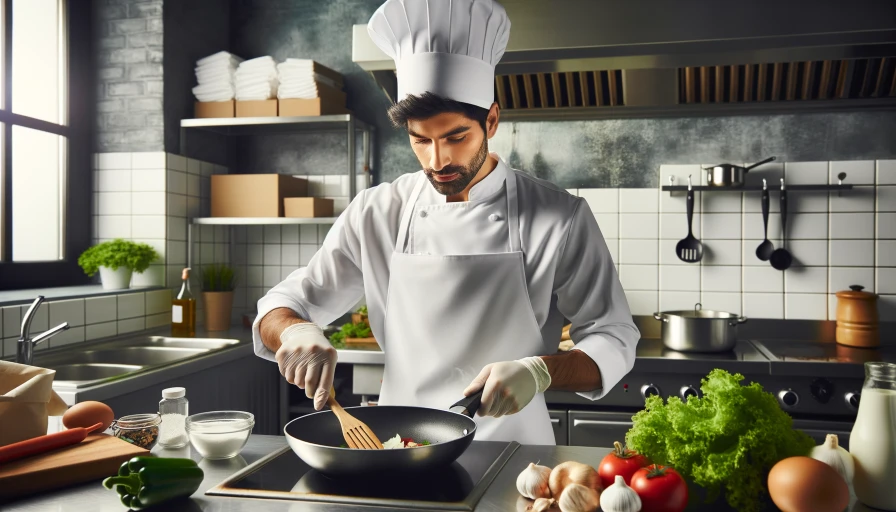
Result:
[{"x": 95, "y": 458}]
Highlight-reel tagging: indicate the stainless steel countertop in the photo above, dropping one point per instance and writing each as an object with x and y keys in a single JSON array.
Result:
[{"x": 501, "y": 496}]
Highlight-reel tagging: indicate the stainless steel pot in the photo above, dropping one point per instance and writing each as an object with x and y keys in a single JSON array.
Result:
[
  {"x": 730, "y": 175},
  {"x": 699, "y": 330}
]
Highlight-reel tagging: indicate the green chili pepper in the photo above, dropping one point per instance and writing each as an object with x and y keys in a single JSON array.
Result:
[{"x": 146, "y": 481}]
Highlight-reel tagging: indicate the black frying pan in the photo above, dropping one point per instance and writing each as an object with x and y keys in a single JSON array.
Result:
[{"x": 316, "y": 438}]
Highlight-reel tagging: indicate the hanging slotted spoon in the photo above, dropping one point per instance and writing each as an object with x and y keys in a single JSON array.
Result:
[{"x": 689, "y": 249}]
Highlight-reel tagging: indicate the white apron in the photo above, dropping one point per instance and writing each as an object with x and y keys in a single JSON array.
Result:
[{"x": 448, "y": 316}]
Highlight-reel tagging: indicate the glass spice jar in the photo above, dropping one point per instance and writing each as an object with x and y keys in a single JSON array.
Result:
[{"x": 138, "y": 429}]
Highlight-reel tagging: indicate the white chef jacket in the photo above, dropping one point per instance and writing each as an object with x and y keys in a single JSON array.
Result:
[{"x": 569, "y": 270}]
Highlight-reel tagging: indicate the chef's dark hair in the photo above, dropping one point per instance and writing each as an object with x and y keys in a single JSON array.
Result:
[{"x": 429, "y": 105}]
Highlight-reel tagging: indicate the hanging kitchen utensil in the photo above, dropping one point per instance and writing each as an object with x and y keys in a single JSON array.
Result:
[
  {"x": 781, "y": 258},
  {"x": 766, "y": 248},
  {"x": 699, "y": 330},
  {"x": 730, "y": 175},
  {"x": 689, "y": 249}
]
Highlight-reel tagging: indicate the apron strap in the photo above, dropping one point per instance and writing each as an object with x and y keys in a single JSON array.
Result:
[
  {"x": 406, "y": 215},
  {"x": 513, "y": 219}
]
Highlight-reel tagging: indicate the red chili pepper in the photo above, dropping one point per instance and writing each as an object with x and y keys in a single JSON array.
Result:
[{"x": 407, "y": 440}]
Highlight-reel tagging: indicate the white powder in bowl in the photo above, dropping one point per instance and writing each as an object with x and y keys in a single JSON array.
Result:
[{"x": 217, "y": 440}]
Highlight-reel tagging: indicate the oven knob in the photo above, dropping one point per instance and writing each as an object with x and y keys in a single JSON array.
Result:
[
  {"x": 852, "y": 399},
  {"x": 649, "y": 389},
  {"x": 822, "y": 390},
  {"x": 788, "y": 397},
  {"x": 687, "y": 391}
]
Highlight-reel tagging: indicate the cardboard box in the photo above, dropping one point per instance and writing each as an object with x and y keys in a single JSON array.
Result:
[
  {"x": 260, "y": 108},
  {"x": 307, "y": 207},
  {"x": 205, "y": 109},
  {"x": 253, "y": 195},
  {"x": 330, "y": 101}
]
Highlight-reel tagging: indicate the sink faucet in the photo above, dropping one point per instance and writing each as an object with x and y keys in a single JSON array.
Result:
[{"x": 25, "y": 346}]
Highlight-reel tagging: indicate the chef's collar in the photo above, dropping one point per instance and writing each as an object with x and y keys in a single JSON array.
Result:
[{"x": 491, "y": 184}]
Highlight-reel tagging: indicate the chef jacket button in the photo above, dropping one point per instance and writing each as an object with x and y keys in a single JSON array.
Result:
[
  {"x": 423, "y": 213},
  {"x": 494, "y": 217}
]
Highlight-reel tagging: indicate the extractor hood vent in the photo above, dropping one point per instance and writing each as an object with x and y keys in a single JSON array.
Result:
[
  {"x": 788, "y": 81},
  {"x": 560, "y": 90},
  {"x": 581, "y": 59}
]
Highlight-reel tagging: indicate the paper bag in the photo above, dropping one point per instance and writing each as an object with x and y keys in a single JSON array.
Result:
[{"x": 26, "y": 400}]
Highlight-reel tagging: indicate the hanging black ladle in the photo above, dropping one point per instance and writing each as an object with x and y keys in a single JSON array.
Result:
[
  {"x": 766, "y": 248},
  {"x": 781, "y": 258}
]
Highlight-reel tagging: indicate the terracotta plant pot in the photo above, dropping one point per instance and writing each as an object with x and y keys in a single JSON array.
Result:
[
  {"x": 118, "y": 279},
  {"x": 218, "y": 307}
]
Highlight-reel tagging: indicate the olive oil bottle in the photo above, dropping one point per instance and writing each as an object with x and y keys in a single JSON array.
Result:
[{"x": 183, "y": 309}]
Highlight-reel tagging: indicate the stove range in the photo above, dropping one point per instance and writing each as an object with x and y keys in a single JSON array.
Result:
[{"x": 283, "y": 475}]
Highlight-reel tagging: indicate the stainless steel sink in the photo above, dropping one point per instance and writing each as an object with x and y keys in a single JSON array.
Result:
[
  {"x": 166, "y": 341},
  {"x": 141, "y": 356},
  {"x": 84, "y": 374},
  {"x": 96, "y": 362}
]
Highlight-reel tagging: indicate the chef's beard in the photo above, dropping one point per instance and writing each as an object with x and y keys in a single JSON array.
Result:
[{"x": 466, "y": 173}]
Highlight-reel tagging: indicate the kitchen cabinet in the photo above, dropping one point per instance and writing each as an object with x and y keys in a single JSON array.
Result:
[{"x": 559, "y": 422}]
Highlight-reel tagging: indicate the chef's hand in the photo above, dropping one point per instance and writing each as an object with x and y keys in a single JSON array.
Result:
[
  {"x": 307, "y": 360},
  {"x": 509, "y": 386}
]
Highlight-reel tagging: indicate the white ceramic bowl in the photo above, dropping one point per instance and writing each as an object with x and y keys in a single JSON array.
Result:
[{"x": 219, "y": 434}]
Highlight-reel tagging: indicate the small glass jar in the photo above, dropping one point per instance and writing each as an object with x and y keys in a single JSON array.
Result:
[
  {"x": 173, "y": 409},
  {"x": 138, "y": 429}
]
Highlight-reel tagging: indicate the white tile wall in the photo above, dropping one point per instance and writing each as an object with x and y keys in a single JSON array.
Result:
[{"x": 836, "y": 241}]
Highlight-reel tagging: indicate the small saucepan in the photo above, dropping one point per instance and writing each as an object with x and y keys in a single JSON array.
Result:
[{"x": 730, "y": 175}]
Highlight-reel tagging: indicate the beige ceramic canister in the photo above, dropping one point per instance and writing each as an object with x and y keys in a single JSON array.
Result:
[{"x": 857, "y": 318}]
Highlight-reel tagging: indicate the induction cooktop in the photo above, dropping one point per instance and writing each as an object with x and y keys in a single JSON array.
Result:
[
  {"x": 459, "y": 486},
  {"x": 815, "y": 352}
]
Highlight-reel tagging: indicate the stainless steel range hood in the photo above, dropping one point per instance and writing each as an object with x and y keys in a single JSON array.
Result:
[{"x": 600, "y": 59}]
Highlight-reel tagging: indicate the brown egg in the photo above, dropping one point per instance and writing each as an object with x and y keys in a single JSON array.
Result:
[
  {"x": 87, "y": 414},
  {"x": 803, "y": 484}
]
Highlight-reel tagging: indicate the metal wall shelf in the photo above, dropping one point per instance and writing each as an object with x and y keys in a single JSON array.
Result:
[
  {"x": 789, "y": 188},
  {"x": 260, "y": 221},
  {"x": 241, "y": 126}
]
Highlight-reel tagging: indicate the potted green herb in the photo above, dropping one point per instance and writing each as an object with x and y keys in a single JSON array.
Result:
[
  {"x": 360, "y": 316},
  {"x": 218, "y": 283},
  {"x": 116, "y": 260}
]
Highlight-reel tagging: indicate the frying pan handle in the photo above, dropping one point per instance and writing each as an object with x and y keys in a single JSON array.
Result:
[{"x": 468, "y": 405}]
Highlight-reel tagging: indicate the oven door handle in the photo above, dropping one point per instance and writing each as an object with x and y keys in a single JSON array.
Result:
[
  {"x": 600, "y": 423},
  {"x": 555, "y": 421}
]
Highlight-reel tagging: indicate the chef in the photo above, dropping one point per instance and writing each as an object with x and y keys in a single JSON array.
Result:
[{"x": 468, "y": 267}]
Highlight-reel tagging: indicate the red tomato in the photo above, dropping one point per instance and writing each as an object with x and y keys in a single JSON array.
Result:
[
  {"x": 661, "y": 489},
  {"x": 620, "y": 461}
]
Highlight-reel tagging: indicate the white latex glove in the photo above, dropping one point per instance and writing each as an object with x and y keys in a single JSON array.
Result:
[
  {"x": 509, "y": 386},
  {"x": 307, "y": 360}
]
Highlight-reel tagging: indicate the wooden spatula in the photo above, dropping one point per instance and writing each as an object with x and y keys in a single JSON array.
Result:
[{"x": 356, "y": 434}]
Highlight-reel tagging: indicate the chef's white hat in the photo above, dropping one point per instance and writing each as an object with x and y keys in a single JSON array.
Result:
[{"x": 446, "y": 47}]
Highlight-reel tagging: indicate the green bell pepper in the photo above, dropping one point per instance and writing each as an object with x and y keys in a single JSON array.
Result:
[{"x": 146, "y": 481}]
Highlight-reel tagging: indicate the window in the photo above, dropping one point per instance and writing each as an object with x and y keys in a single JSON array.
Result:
[{"x": 44, "y": 143}]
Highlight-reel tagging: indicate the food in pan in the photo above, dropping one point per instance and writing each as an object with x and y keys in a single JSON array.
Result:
[{"x": 398, "y": 442}]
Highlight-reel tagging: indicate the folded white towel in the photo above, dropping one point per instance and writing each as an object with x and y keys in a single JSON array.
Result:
[
  {"x": 213, "y": 76},
  {"x": 213, "y": 93},
  {"x": 259, "y": 62},
  {"x": 221, "y": 56}
]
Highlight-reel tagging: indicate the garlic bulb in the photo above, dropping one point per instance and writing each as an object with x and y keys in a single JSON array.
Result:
[
  {"x": 542, "y": 505},
  {"x": 834, "y": 455},
  {"x": 532, "y": 482},
  {"x": 578, "y": 498},
  {"x": 620, "y": 497},
  {"x": 572, "y": 472}
]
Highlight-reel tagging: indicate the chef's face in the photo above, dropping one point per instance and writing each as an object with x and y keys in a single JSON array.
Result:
[{"x": 452, "y": 149}]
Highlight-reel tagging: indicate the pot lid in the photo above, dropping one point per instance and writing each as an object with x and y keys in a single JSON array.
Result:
[
  {"x": 855, "y": 292},
  {"x": 699, "y": 312}
]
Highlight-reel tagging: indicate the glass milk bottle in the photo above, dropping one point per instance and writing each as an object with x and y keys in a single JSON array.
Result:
[
  {"x": 872, "y": 442},
  {"x": 174, "y": 410}
]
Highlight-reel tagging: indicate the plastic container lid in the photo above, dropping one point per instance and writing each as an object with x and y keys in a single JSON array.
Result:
[{"x": 174, "y": 392}]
